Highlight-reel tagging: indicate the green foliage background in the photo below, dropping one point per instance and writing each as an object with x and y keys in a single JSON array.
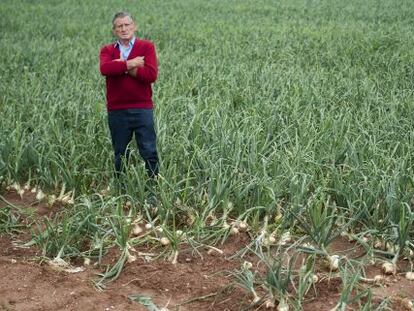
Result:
[{"x": 258, "y": 102}]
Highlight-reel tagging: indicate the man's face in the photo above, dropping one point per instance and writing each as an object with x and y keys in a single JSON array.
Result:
[{"x": 124, "y": 28}]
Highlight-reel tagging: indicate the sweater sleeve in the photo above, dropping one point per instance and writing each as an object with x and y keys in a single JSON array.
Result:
[
  {"x": 108, "y": 66},
  {"x": 149, "y": 72}
]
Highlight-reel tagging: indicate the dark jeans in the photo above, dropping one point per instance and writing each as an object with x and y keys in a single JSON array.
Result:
[{"x": 122, "y": 124}]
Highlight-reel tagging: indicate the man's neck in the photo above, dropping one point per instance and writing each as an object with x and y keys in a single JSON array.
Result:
[{"x": 126, "y": 42}]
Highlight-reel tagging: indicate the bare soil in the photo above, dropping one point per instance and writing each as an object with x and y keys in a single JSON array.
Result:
[{"x": 194, "y": 283}]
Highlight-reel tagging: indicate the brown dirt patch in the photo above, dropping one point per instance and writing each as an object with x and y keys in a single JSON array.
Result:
[
  {"x": 30, "y": 204},
  {"x": 194, "y": 283},
  {"x": 28, "y": 285}
]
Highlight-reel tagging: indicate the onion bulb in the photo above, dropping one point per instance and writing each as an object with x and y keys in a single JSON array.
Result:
[
  {"x": 51, "y": 199},
  {"x": 40, "y": 195},
  {"x": 408, "y": 304},
  {"x": 247, "y": 265},
  {"x": 409, "y": 276},
  {"x": 389, "y": 268},
  {"x": 243, "y": 225},
  {"x": 314, "y": 278},
  {"x": 164, "y": 241},
  {"x": 137, "y": 230},
  {"x": 378, "y": 279},
  {"x": 285, "y": 238},
  {"x": 283, "y": 306},
  {"x": 333, "y": 262},
  {"x": 131, "y": 258}
]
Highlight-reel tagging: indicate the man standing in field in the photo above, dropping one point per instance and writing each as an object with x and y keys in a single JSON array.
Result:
[{"x": 130, "y": 68}]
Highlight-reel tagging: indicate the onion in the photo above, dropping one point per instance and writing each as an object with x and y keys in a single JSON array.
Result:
[
  {"x": 378, "y": 279},
  {"x": 20, "y": 192},
  {"x": 283, "y": 306},
  {"x": 164, "y": 241},
  {"x": 314, "y": 278},
  {"x": 131, "y": 258},
  {"x": 247, "y": 265},
  {"x": 333, "y": 262},
  {"x": 86, "y": 261},
  {"x": 285, "y": 238},
  {"x": 409, "y": 276},
  {"x": 272, "y": 239},
  {"x": 40, "y": 195},
  {"x": 51, "y": 199},
  {"x": 148, "y": 226},
  {"x": 389, "y": 268},
  {"x": 243, "y": 225},
  {"x": 16, "y": 186},
  {"x": 213, "y": 250},
  {"x": 66, "y": 199},
  {"x": 256, "y": 298},
  {"x": 234, "y": 231},
  {"x": 379, "y": 244},
  {"x": 408, "y": 304},
  {"x": 137, "y": 230}
]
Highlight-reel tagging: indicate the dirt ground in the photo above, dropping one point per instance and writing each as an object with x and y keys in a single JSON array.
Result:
[{"x": 194, "y": 283}]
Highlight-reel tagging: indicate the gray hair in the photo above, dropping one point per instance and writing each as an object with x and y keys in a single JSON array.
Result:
[{"x": 121, "y": 15}]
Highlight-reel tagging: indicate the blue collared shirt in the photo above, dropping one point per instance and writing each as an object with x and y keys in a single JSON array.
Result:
[{"x": 125, "y": 50}]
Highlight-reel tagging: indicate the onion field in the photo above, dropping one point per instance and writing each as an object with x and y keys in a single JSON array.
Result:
[{"x": 289, "y": 122}]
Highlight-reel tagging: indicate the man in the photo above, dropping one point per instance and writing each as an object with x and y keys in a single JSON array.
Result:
[{"x": 130, "y": 67}]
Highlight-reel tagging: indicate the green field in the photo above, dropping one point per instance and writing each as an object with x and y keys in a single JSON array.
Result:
[{"x": 289, "y": 115}]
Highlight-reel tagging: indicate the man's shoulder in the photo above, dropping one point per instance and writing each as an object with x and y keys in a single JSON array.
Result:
[
  {"x": 109, "y": 46},
  {"x": 144, "y": 42}
]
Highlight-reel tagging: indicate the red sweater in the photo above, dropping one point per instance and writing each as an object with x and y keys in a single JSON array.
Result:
[{"x": 122, "y": 90}]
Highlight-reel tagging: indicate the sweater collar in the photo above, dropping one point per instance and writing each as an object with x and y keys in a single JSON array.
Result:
[{"x": 130, "y": 44}]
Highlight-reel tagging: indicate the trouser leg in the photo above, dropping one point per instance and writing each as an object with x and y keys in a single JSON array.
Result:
[
  {"x": 146, "y": 140},
  {"x": 121, "y": 135}
]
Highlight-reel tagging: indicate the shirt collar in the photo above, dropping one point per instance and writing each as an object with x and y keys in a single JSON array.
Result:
[{"x": 131, "y": 42}]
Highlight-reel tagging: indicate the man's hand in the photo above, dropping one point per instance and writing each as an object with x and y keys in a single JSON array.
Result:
[
  {"x": 135, "y": 63},
  {"x": 133, "y": 72}
]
